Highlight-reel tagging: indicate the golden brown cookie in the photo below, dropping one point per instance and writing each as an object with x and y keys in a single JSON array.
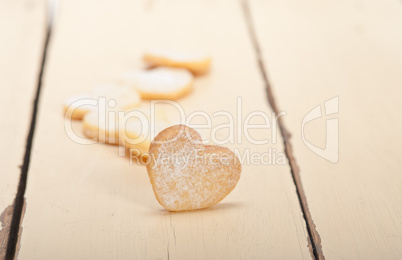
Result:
[
  {"x": 102, "y": 126},
  {"x": 140, "y": 129},
  {"x": 160, "y": 83},
  {"x": 186, "y": 174},
  {"x": 76, "y": 107},
  {"x": 196, "y": 63},
  {"x": 123, "y": 97}
]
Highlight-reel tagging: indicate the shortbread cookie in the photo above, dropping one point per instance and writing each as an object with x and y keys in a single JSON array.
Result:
[
  {"x": 160, "y": 83},
  {"x": 186, "y": 174},
  {"x": 106, "y": 125},
  {"x": 76, "y": 107},
  {"x": 102, "y": 126},
  {"x": 138, "y": 136},
  {"x": 121, "y": 97},
  {"x": 196, "y": 63},
  {"x": 133, "y": 129},
  {"x": 141, "y": 128}
]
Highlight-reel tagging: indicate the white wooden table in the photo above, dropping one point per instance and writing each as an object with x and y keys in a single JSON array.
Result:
[{"x": 338, "y": 195}]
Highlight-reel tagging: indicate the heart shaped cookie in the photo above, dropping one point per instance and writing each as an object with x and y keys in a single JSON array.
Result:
[
  {"x": 186, "y": 174},
  {"x": 76, "y": 107},
  {"x": 125, "y": 97},
  {"x": 102, "y": 123},
  {"x": 195, "y": 62},
  {"x": 142, "y": 126},
  {"x": 160, "y": 83},
  {"x": 102, "y": 126}
]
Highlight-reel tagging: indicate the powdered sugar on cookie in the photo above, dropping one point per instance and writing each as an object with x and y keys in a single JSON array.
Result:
[{"x": 187, "y": 175}]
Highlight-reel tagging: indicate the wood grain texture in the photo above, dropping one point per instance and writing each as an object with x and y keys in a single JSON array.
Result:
[
  {"x": 5, "y": 223},
  {"x": 22, "y": 30},
  {"x": 85, "y": 202},
  {"x": 317, "y": 50}
]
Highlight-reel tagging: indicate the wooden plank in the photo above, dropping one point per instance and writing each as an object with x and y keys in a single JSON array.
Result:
[
  {"x": 85, "y": 202},
  {"x": 22, "y": 30},
  {"x": 351, "y": 50}
]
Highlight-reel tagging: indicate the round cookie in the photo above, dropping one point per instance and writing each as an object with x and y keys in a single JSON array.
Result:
[
  {"x": 196, "y": 63},
  {"x": 186, "y": 174},
  {"x": 160, "y": 83}
]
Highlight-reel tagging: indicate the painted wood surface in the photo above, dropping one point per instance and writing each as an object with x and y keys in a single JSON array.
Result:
[
  {"x": 22, "y": 35},
  {"x": 348, "y": 53},
  {"x": 86, "y": 202}
]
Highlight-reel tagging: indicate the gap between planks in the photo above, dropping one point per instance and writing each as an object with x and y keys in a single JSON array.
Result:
[
  {"x": 313, "y": 236},
  {"x": 19, "y": 202}
]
